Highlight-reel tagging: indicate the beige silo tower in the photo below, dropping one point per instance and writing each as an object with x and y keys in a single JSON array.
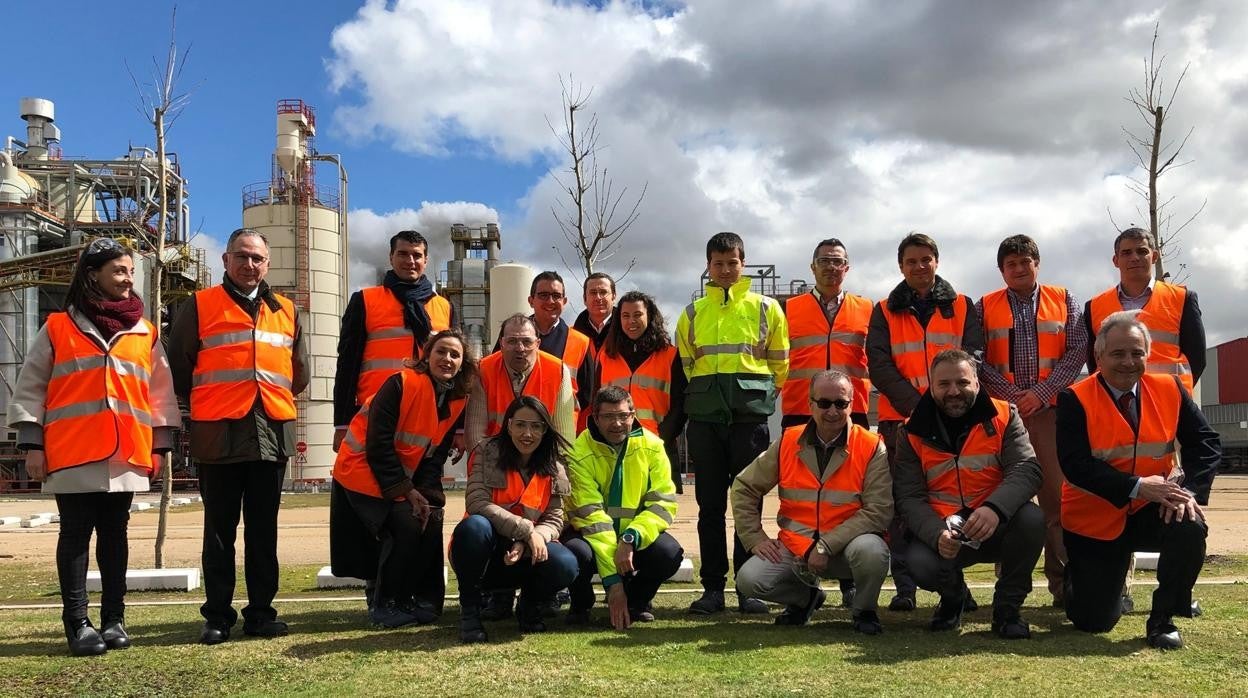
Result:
[{"x": 305, "y": 224}]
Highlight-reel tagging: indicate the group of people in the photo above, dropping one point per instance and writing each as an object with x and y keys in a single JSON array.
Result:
[{"x": 570, "y": 436}]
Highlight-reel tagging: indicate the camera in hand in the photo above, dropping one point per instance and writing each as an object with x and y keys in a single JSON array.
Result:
[{"x": 955, "y": 522}]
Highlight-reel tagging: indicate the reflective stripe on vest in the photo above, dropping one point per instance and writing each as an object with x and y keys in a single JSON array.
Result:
[
  {"x": 575, "y": 349},
  {"x": 914, "y": 346},
  {"x": 97, "y": 403},
  {"x": 650, "y": 386},
  {"x": 416, "y": 430},
  {"x": 543, "y": 383},
  {"x": 1162, "y": 315},
  {"x": 812, "y": 506},
  {"x": 749, "y": 356},
  {"x": 239, "y": 357},
  {"x": 815, "y": 347},
  {"x": 387, "y": 340},
  {"x": 965, "y": 479},
  {"x": 529, "y": 501},
  {"x": 1112, "y": 441},
  {"x": 1051, "y": 319}
]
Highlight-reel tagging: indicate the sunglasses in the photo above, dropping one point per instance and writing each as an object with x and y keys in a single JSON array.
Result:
[
  {"x": 825, "y": 404},
  {"x": 99, "y": 245}
]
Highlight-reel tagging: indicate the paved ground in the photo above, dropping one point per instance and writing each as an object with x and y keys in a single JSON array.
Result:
[{"x": 304, "y": 537}]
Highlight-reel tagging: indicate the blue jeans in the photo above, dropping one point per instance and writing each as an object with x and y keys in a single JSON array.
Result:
[{"x": 477, "y": 557}]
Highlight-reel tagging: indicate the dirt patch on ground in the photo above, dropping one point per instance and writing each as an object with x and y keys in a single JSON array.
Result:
[{"x": 304, "y": 534}]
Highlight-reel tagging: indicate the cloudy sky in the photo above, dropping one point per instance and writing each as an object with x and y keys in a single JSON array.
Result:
[{"x": 786, "y": 122}]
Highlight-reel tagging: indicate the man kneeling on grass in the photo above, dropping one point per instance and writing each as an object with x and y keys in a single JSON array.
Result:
[
  {"x": 836, "y": 500},
  {"x": 623, "y": 499}
]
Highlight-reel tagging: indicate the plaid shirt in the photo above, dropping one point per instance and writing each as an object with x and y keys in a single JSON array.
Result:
[{"x": 1025, "y": 352}]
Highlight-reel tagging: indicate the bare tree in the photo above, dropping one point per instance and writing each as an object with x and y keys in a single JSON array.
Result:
[
  {"x": 161, "y": 104},
  {"x": 595, "y": 215},
  {"x": 1156, "y": 156}
]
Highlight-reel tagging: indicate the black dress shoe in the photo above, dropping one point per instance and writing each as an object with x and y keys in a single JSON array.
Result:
[
  {"x": 640, "y": 615},
  {"x": 1007, "y": 624},
  {"x": 710, "y": 602},
  {"x": 801, "y": 615},
  {"x": 268, "y": 628},
  {"x": 83, "y": 639},
  {"x": 1164, "y": 636},
  {"x": 213, "y": 635},
  {"x": 115, "y": 636},
  {"x": 902, "y": 603},
  {"x": 948, "y": 615},
  {"x": 1197, "y": 611},
  {"x": 867, "y": 623}
]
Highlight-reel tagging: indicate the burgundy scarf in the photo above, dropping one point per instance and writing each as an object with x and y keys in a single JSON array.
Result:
[{"x": 112, "y": 317}]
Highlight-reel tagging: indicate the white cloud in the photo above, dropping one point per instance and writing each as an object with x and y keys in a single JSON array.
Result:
[{"x": 370, "y": 234}]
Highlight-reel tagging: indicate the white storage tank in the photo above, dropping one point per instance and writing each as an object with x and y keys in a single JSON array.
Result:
[{"x": 509, "y": 294}]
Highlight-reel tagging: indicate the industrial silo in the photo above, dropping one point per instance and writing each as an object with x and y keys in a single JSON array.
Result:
[
  {"x": 509, "y": 294},
  {"x": 305, "y": 223}
]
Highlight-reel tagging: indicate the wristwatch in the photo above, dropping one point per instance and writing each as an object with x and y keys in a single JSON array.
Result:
[{"x": 629, "y": 537}]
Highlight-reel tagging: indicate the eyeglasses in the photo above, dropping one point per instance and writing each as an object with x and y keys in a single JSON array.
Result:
[
  {"x": 522, "y": 427},
  {"x": 244, "y": 258},
  {"x": 548, "y": 296},
  {"x": 520, "y": 342},
  {"x": 616, "y": 417},
  {"x": 804, "y": 574},
  {"x": 825, "y": 404},
  {"x": 834, "y": 262}
]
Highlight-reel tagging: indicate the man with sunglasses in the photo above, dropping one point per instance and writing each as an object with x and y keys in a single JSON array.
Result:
[
  {"x": 827, "y": 330},
  {"x": 836, "y": 501},
  {"x": 964, "y": 477}
]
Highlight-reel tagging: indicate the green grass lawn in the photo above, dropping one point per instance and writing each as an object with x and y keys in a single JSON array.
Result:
[{"x": 333, "y": 651}]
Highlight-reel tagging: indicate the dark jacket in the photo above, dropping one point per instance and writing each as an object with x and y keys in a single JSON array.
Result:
[
  {"x": 1020, "y": 470},
  {"x": 884, "y": 374},
  {"x": 254, "y": 437},
  {"x": 1201, "y": 451},
  {"x": 596, "y": 336},
  {"x": 1191, "y": 335}
]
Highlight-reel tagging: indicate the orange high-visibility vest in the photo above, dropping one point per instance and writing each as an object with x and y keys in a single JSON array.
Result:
[
  {"x": 1162, "y": 315},
  {"x": 98, "y": 402},
  {"x": 574, "y": 352},
  {"x": 815, "y": 347},
  {"x": 387, "y": 340},
  {"x": 239, "y": 357},
  {"x": 914, "y": 346},
  {"x": 543, "y": 383},
  {"x": 529, "y": 501},
  {"x": 967, "y": 478},
  {"x": 1151, "y": 452},
  {"x": 1050, "y": 330},
  {"x": 810, "y": 508},
  {"x": 650, "y": 385},
  {"x": 417, "y": 431}
]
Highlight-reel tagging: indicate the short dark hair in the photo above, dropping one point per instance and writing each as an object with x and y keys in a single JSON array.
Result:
[
  {"x": 725, "y": 242},
  {"x": 1134, "y": 234},
  {"x": 546, "y": 276},
  {"x": 952, "y": 356},
  {"x": 830, "y": 242},
  {"x": 919, "y": 240},
  {"x": 1017, "y": 244},
  {"x": 609, "y": 395},
  {"x": 598, "y": 275},
  {"x": 655, "y": 338},
  {"x": 245, "y": 232},
  {"x": 411, "y": 237}
]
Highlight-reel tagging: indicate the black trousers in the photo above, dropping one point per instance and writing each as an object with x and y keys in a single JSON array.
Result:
[
  {"x": 720, "y": 452},
  {"x": 898, "y": 546},
  {"x": 1095, "y": 569},
  {"x": 654, "y": 564},
  {"x": 106, "y": 513},
  {"x": 253, "y": 489},
  {"x": 1016, "y": 545},
  {"x": 411, "y": 559}
]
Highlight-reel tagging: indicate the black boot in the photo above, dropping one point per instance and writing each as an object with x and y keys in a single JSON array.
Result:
[
  {"x": 114, "y": 632},
  {"x": 497, "y": 605},
  {"x": 470, "y": 628},
  {"x": 83, "y": 639},
  {"x": 529, "y": 613}
]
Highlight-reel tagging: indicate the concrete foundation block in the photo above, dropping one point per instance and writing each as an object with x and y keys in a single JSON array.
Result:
[
  {"x": 325, "y": 579},
  {"x": 169, "y": 579},
  {"x": 683, "y": 574},
  {"x": 140, "y": 506},
  {"x": 10, "y": 520},
  {"x": 1146, "y": 561},
  {"x": 179, "y": 501},
  {"x": 35, "y": 522}
]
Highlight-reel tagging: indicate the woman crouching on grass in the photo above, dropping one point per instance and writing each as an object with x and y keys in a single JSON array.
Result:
[
  {"x": 514, "y": 502},
  {"x": 95, "y": 412},
  {"x": 386, "y": 511}
]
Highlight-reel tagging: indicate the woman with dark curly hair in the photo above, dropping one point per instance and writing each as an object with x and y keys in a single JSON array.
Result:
[
  {"x": 514, "y": 506},
  {"x": 95, "y": 412},
  {"x": 388, "y": 478}
]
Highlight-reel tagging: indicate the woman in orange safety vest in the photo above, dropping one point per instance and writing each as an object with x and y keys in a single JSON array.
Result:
[
  {"x": 386, "y": 509},
  {"x": 95, "y": 412},
  {"x": 514, "y": 507}
]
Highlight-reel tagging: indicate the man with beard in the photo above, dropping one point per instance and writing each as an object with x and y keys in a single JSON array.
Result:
[{"x": 965, "y": 475}]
